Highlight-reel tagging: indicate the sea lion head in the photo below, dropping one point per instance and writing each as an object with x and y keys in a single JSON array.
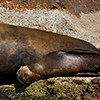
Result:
[{"x": 25, "y": 76}]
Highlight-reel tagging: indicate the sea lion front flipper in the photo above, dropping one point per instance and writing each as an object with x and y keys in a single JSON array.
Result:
[
  {"x": 61, "y": 63},
  {"x": 86, "y": 74},
  {"x": 80, "y": 51}
]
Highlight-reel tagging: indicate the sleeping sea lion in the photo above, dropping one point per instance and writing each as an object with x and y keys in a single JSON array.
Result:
[
  {"x": 21, "y": 46},
  {"x": 61, "y": 63}
]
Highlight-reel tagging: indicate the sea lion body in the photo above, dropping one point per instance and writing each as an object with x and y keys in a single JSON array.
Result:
[
  {"x": 60, "y": 63},
  {"x": 21, "y": 46}
]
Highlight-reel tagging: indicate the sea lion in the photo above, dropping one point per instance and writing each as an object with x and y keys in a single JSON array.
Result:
[
  {"x": 20, "y": 46},
  {"x": 61, "y": 63}
]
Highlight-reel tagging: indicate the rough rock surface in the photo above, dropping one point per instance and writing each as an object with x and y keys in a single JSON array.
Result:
[
  {"x": 73, "y": 6},
  {"x": 62, "y": 88}
]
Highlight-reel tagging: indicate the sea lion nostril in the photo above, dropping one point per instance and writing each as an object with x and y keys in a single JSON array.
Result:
[{"x": 21, "y": 78}]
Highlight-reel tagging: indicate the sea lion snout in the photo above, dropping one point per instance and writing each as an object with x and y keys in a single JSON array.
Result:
[{"x": 25, "y": 76}]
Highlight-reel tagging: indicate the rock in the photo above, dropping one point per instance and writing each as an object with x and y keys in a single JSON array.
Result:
[
  {"x": 3, "y": 96},
  {"x": 60, "y": 88}
]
